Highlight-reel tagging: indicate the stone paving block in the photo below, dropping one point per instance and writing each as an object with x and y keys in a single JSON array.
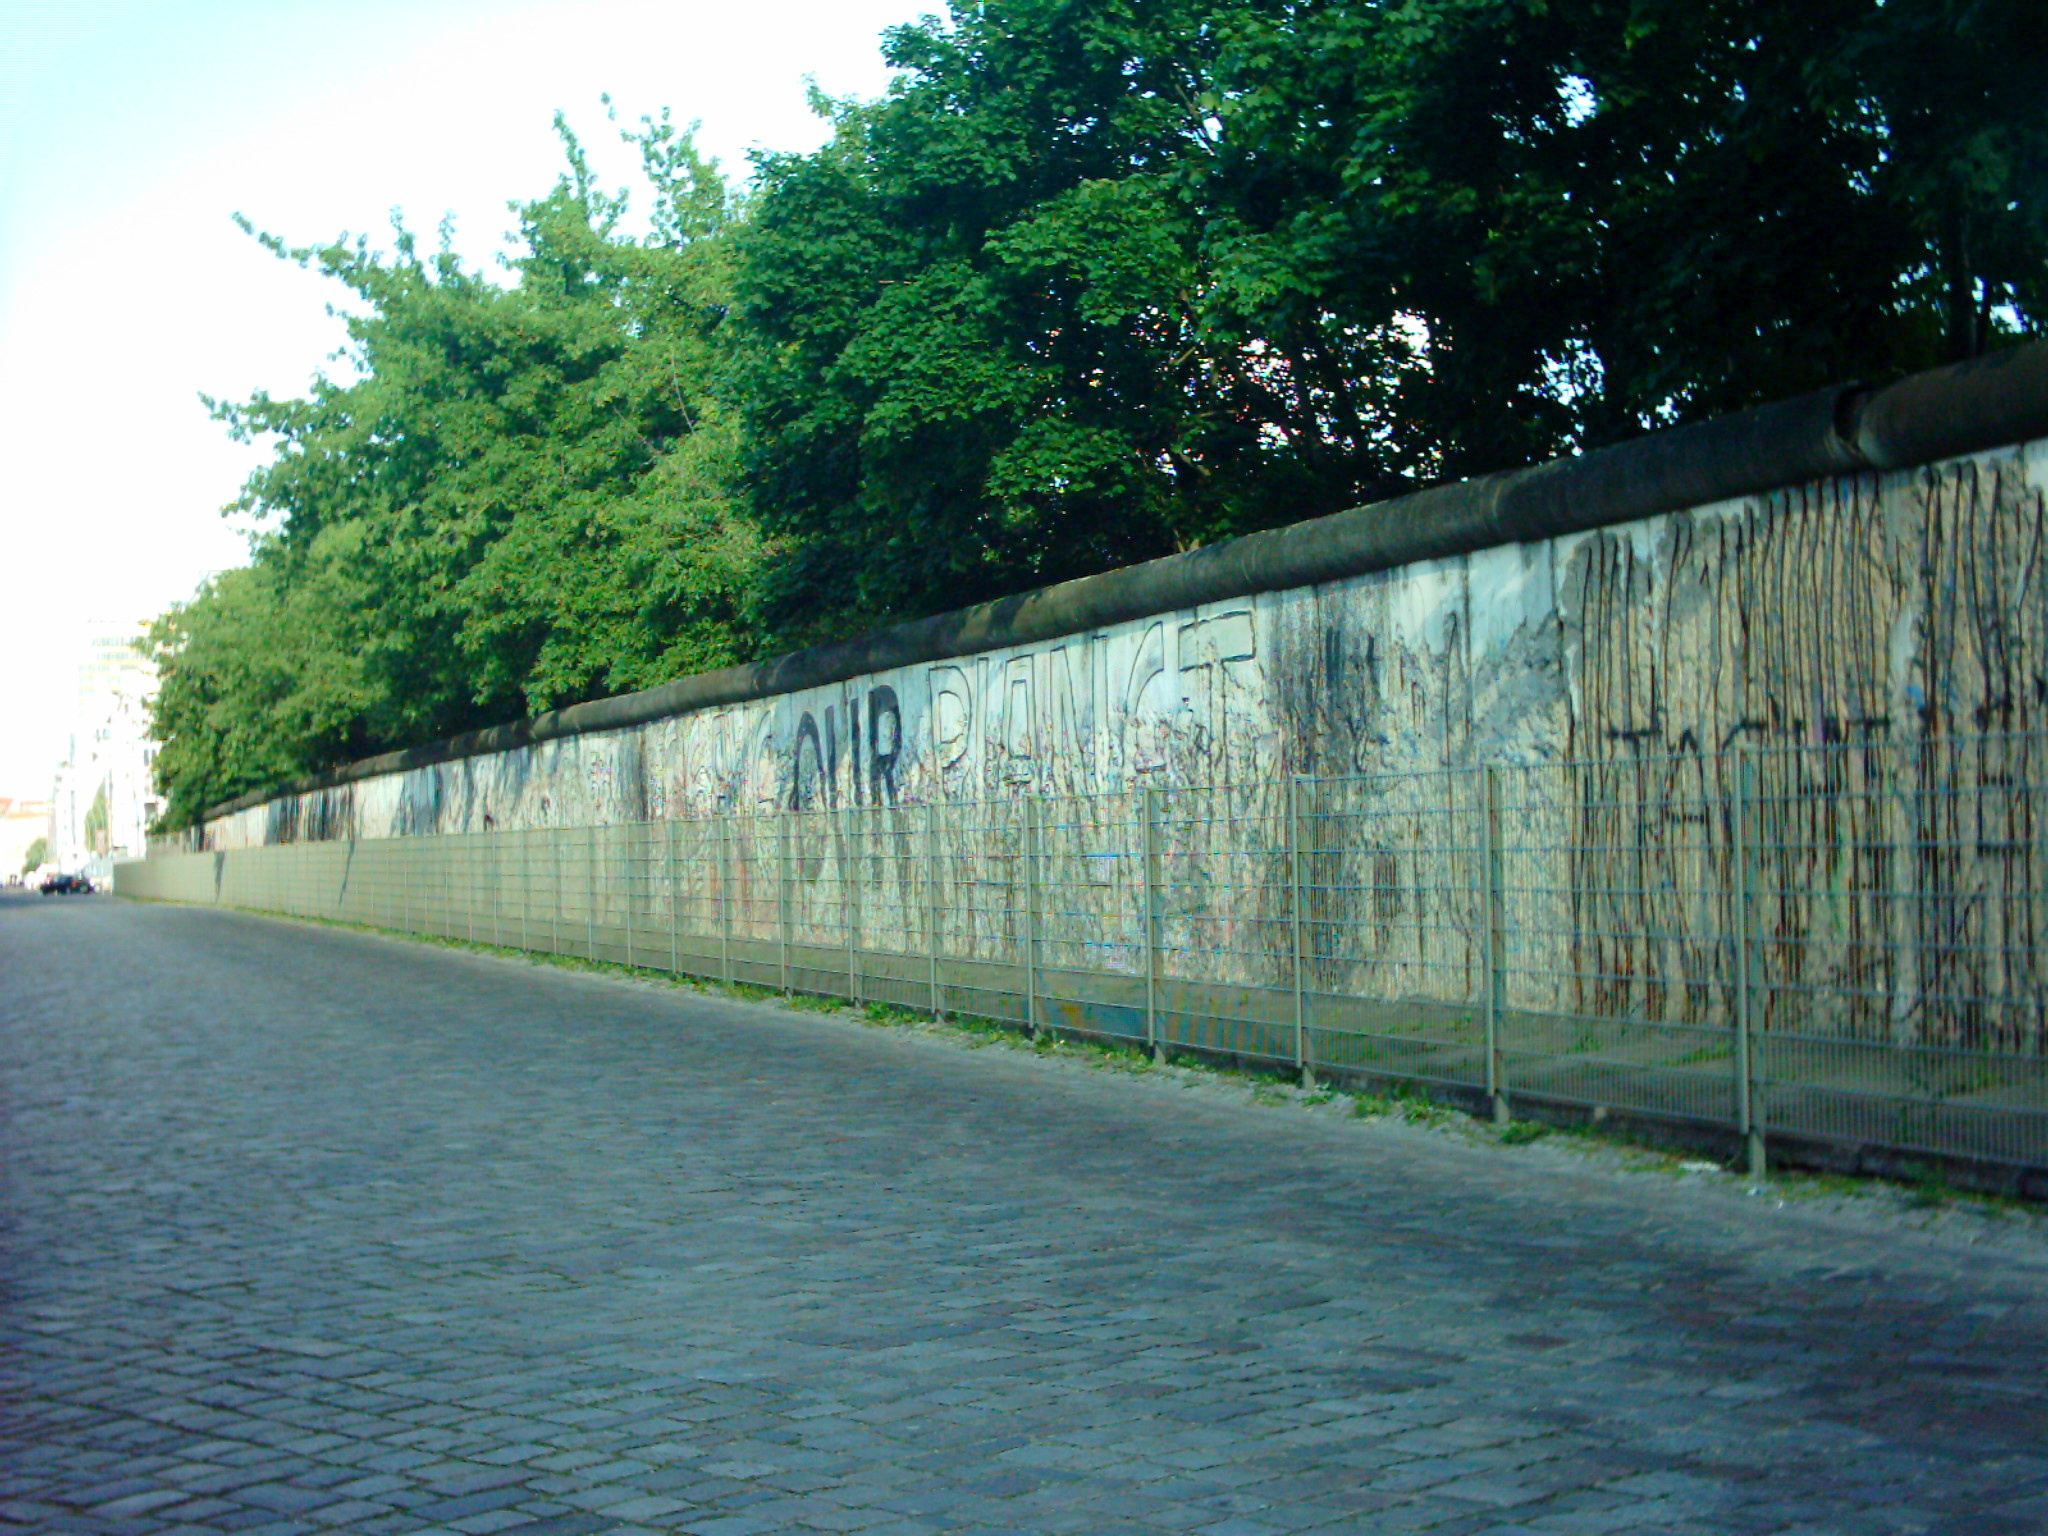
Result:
[
  {"x": 285, "y": 1498},
  {"x": 198, "y": 1511},
  {"x": 468, "y": 1477},
  {"x": 244, "y": 1517},
  {"x": 349, "y": 1513},
  {"x": 461, "y": 1506},
  {"x": 133, "y": 1505},
  {"x": 490, "y": 1521},
  {"x": 728, "y": 1525},
  {"x": 571, "y": 1524},
  {"x": 29, "y": 1513}
]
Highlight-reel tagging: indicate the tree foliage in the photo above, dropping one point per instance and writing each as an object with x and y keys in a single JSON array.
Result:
[
  {"x": 522, "y": 499},
  {"x": 1095, "y": 280},
  {"x": 97, "y": 816}
]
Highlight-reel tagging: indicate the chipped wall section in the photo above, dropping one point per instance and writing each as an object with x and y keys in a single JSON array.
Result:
[
  {"x": 1826, "y": 626},
  {"x": 1861, "y": 608}
]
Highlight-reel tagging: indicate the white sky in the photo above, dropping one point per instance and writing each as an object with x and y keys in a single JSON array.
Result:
[{"x": 132, "y": 130}]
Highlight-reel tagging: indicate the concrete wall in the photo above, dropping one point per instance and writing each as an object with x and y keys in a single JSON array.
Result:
[{"x": 1857, "y": 607}]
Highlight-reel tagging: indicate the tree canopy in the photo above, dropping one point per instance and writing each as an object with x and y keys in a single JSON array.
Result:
[
  {"x": 1094, "y": 281},
  {"x": 523, "y": 498}
]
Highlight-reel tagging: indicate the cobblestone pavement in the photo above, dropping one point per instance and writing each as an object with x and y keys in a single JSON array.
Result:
[{"x": 308, "y": 1230}]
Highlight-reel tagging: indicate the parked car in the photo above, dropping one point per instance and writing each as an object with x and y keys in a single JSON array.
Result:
[{"x": 66, "y": 885}]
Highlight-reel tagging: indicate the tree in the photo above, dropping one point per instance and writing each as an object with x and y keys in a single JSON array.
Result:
[
  {"x": 1100, "y": 280},
  {"x": 968, "y": 353},
  {"x": 96, "y": 818},
  {"x": 258, "y": 682},
  {"x": 1611, "y": 215},
  {"x": 38, "y": 851},
  {"x": 521, "y": 500},
  {"x": 1957, "y": 91},
  {"x": 630, "y": 483}
]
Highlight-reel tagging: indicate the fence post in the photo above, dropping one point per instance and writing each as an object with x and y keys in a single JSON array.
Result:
[
  {"x": 1294, "y": 913},
  {"x": 669, "y": 832},
  {"x": 1030, "y": 861},
  {"x": 1748, "y": 1123},
  {"x": 625, "y": 835},
  {"x": 849, "y": 892},
  {"x": 782, "y": 819},
  {"x": 931, "y": 882},
  {"x": 724, "y": 901},
  {"x": 1151, "y": 872},
  {"x": 590, "y": 895},
  {"x": 555, "y": 894},
  {"x": 1494, "y": 916}
]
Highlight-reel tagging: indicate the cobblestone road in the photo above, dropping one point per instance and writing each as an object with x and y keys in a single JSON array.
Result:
[{"x": 310, "y": 1230}]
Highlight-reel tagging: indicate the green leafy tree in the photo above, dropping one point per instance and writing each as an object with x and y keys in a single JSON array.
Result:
[
  {"x": 968, "y": 351},
  {"x": 38, "y": 851},
  {"x": 96, "y": 817},
  {"x": 1100, "y": 280},
  {"x": 1957, "y": 93},
  {"x": 629, "y": 482},
  {"x": 258, "y": 681},
  {"x": 523, "y": 498},
  {"x": 1615, "y": 214}
]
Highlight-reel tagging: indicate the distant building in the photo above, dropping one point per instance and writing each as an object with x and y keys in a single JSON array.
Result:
[
  {"x": 105, "y": 795},
  {"x": 21, "y": 823}
]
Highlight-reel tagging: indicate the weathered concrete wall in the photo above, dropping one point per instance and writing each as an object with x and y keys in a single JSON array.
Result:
[
  {"x": 1872, "y": 882},
  {"x": 1857, "y": 607}
]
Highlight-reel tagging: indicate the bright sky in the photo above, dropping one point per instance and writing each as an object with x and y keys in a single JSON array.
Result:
[{"x": 130, "y": 133}]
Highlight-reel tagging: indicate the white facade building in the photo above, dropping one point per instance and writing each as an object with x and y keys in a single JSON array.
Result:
[{"x": 105, "y": 795}]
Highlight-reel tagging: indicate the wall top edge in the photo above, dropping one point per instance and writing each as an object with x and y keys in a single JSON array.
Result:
[{"x": 1988, "y": 402}]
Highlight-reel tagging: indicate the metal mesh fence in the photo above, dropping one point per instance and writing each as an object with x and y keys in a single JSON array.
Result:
[{"x": 1841, "y": 942}]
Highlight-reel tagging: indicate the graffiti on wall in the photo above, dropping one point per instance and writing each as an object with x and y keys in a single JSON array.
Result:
[
  {"x": 1863, "y": 608},
  {"x": 1629, "y": 675}
]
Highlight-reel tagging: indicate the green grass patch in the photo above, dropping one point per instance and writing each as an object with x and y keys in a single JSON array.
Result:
[
  {"x": 886, "y": 1015},
  {"x": 807, "y": 1002}
]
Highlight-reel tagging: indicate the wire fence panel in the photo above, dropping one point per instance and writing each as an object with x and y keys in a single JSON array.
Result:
[
  {"x": 1617, "y": 954},
  {"x": 1217, "y": 903},
  {"x": 1901, "y": 913},
  {"x": 1839, "y": 943},
  {"x": 1391, "y": 893}
]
